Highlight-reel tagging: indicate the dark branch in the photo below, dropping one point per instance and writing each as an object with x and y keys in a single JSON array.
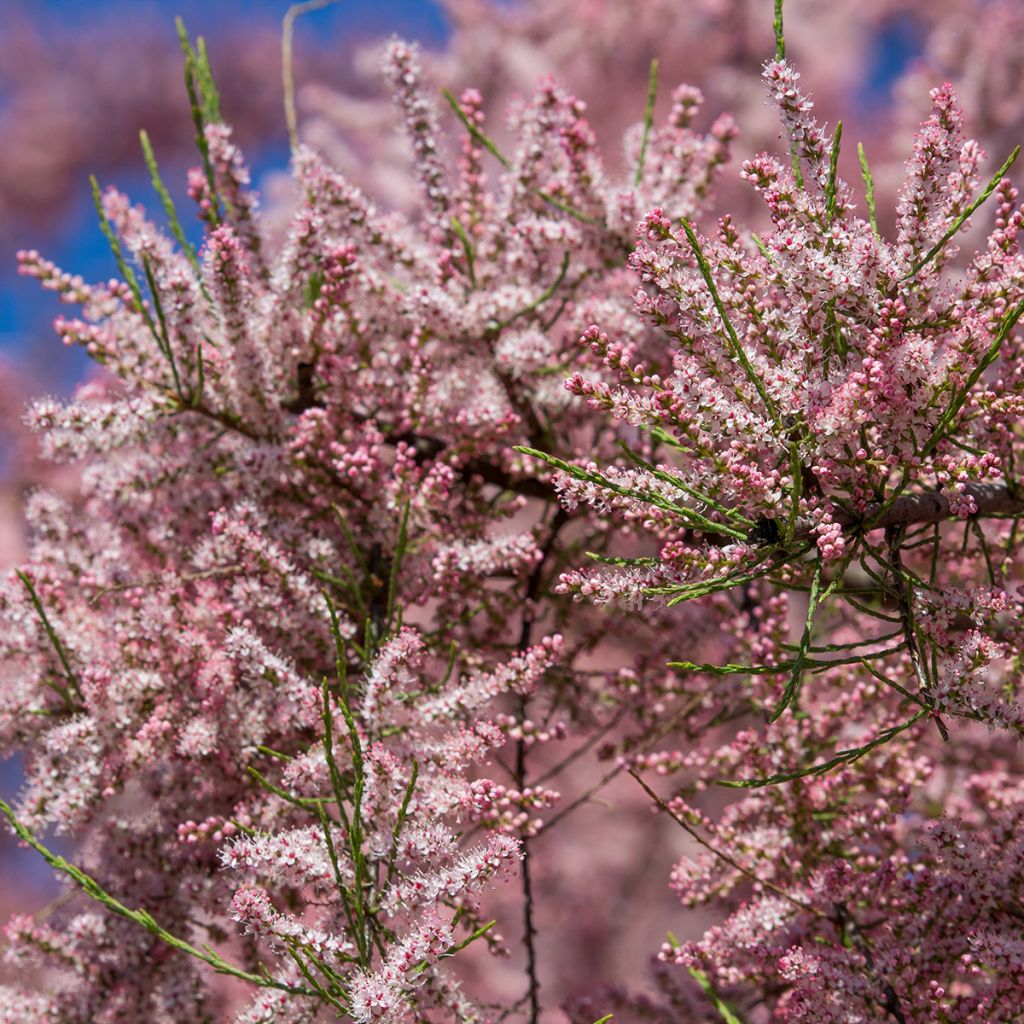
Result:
[{"x": 933, "y": 507}]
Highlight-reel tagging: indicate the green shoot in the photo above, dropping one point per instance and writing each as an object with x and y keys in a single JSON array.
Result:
[
  {"x": 869, "y": 188},
  {"x": 992, "y": 185},
  {"x": 780, "y": 39},
  {"x": 652, "y": 96}
]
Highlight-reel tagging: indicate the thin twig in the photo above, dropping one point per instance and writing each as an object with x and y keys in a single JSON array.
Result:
[
  {"x": 621, "y": 767},
  {"x": 287, "y": 75},
  {"x": 726, "y": 858}
]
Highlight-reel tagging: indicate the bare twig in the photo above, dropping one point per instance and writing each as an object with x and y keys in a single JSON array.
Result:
[
  {"x": 725, "y": 857},
  {"x": 287, "y": 73}
]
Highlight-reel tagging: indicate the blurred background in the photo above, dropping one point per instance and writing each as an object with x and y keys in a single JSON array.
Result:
[{"x": 79, "y": 79}]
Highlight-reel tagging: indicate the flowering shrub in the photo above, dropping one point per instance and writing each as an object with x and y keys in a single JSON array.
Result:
[{"x": 389, "y": 523}]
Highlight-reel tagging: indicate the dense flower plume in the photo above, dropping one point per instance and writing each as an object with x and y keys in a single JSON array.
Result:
[{"x": 400, "y": 536}]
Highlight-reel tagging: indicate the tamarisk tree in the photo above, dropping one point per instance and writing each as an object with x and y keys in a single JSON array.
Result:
[{"x": 400, "y": 537}]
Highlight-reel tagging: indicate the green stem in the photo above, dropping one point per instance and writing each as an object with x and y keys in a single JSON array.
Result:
[
  {"x": 652, "y": 96},
  {"x": 959, "y": 222},
  {"x": 95, "y": 891}
]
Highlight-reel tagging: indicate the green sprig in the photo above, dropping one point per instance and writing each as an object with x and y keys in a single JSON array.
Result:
[
  {"x": 844, "y": 757},
  {"x": 833, "y": 170},
  {"x": 793, "y": 686},
  {"x": 170, "y": 210},
  {"x": 992, "y": 185},
  {"x": 204, "y": 106},
  {"x": 484, "y": 140},
  {"x": 652, "y": 97},
  {"x": 725, "y": 1011},
  {"x": 91, "y": 888},
  {"x": 59, "y": 649},
  {"x": 780, "y": 39},
  {"x": 690, "y": 516},
  {"x": 467, "y": 248},
  {"x": 738, "y": 350},
  {"x": 492, "y": 147},
  {"x": 869, "y": 188}
]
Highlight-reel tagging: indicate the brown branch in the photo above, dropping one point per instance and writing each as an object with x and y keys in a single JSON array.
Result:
[
  {"x": 613, "y": 773},
  {"x": 991, "y": 499},
  {"x": 933, "y": 507},
  {"x": 533, "y": 588},
  {"x": 166, "y": 580},
  {"x": 894, "y": 537},
  {"x": 919, "y": 509}
]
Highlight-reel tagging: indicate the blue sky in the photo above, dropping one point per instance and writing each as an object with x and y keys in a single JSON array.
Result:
[{"x": 421, "y": 19}]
